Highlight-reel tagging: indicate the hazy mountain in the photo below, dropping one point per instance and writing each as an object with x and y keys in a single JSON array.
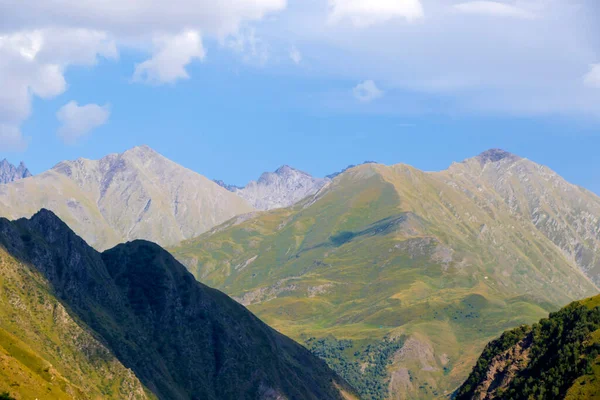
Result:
[
  {"x": 74, "y": 319},
  {"x": 282, "y": 188},
  {"x": 10, "y": 173},
  {"x": 138, "y": 194},
  {"x": 555, "y": 359},
  {"x": 399, "y": 277}
]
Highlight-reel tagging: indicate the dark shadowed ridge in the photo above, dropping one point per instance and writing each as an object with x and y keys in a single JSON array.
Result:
[{"x": 181, "y": 338}]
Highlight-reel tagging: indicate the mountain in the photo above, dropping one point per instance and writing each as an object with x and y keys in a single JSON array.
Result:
[
  {"x": 556, "y": 358},
  {"x": 81, "y": 324},
  {"x": 398, "y": 277},
  {"x": 138, "y": 194},
  {"x": 282, "y": 188},
  {"x": 10, "y": 173}
]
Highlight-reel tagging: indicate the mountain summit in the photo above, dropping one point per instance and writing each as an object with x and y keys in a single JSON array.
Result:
[
  {"x": 138, "y": 194},
  {"x": 10, "y": 173},
  {"x": 282, "y": 188}
]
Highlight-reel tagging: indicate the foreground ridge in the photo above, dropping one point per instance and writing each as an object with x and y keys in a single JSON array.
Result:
[{"x": 181, "y": 339}]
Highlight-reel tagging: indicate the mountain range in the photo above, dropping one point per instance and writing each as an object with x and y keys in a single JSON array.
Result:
[
  {"x": 395, "y": 277},
  {"x": 424, "y": 267},
  {"x": 138, "y": 194},
  {"x": 10, "y": 173},
  {"x": 132, "y": 323}
]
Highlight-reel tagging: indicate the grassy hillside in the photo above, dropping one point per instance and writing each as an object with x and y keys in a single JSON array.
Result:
[
  {"x": 45, "y": 353},
  {"x": 556, "y": 358},
  {"x": 390, "y": 255}
]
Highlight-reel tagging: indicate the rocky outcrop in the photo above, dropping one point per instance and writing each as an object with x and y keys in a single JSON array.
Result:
[{"x": 10, "y": 173}]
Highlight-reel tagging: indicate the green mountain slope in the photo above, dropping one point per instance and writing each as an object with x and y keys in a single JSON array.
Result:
[
  {"x": 179, "y": 338},
  {"x": 396, "y": 260},
  {"x": 556, "y": 358}
]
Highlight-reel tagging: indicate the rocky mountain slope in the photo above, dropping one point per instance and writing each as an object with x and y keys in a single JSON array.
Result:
[
  {"x": 399, "y": 277},
  {"x": 282, "y": 188},
  {"x": 138, "y": 194},
  {"x": 557, "y": 358},
  {"x": 80, "y": 324},
  {"x": 10, "y": 173}
]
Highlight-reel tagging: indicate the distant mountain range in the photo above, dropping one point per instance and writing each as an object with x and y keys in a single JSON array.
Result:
[
  {"x": 138, "y": 194},
  {"x": 423, "y": 267},
  {"x": 132, "y": 323},
  {"x": 10, "y": 173}
]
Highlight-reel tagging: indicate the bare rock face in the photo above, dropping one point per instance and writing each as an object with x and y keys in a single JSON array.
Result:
[
  {"x": 138, "y": 194},
  {"x": 282, "y": 188},
  {"x": 10, "y": 173}
]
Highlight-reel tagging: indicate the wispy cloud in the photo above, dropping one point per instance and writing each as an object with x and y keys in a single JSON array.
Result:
[
  {"x": 364, "y": 13},
  {"x": 295, "y": 55},
  {"x": 493, "y": 8},
  {"x": 592, "y": 78},
  {"x": 367, "y": 91}
]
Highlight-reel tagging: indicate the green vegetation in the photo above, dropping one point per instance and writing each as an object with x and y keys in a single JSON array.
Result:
[
  {"x": 6, "y": 396},
  {"x": 498, "y": 346},
  {"x": 391, "y": 252},
  {"x": 561, "y": 358},
  {"x": 366, "y": 370}
]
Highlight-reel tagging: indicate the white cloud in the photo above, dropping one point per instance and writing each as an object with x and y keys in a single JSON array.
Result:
[
  {"x": 249, "y": 46},
  {"x": 77, "y": 121},
  {"x": 363, "y": 13},
  {"x": 367, "y": 91},
  {"x": 32, "y": 63},
  {"x": 493, "y": 8},
  {"x": 295, "y": 55},
  {"x": 592, "y": 78},
  {"x": 173, "y": 53},
  {"x": 40, "y": 40}
]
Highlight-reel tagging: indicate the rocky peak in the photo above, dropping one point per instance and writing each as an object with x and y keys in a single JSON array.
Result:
[
  {"x": 10, "y": 173},
  {"x": 281, "y": 188},
  {"x": 495, "y": 155}
]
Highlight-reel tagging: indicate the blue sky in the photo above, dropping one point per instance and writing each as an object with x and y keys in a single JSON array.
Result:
[{"x": 317, "y": 85}]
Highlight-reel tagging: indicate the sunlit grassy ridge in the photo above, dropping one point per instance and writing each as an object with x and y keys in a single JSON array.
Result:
[
  {"x": 390, "y": 252},
  {"x": 44, "y": 353}
]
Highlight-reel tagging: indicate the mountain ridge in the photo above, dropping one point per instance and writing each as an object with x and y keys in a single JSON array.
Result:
[
  {"x": 138, "y": 194},
  {"x": 182, "y": 339}
]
